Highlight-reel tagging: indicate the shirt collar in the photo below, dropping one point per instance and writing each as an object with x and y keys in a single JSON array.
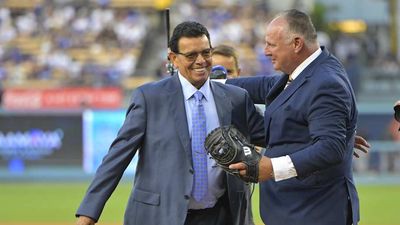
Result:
[
  {"x": 305, "y": 63},
  {"x": 188, "y": 88}
]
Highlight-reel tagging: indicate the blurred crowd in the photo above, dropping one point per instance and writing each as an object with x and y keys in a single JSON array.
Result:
[
  {"x": 89, "y": 42},
  {"x": 85, "y": 43}
]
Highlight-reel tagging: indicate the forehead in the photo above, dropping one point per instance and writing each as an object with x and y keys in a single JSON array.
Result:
[
  {"x": 276, "y": 28},
  {"x": 187, "y": 44}
]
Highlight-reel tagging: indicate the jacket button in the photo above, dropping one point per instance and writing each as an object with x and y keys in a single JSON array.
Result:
[
  {"x": 187, "y": 197},
  {"x": 191, "y": 171}
]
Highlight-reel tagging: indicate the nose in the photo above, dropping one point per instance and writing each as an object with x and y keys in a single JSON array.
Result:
[
  {"x": 200, "y": 58},
  {"x": 267, "y": 52}
]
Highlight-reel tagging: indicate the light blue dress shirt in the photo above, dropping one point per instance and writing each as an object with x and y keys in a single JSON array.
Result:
[{"x": 216, "y": 187}]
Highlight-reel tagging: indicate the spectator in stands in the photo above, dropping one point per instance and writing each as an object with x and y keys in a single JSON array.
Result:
[
  {"x": 227, "y": 57},
  {"x": 1, "y": 94},
  {"x": 393, "y": 157},
  {"x": 397, "y": 111}
]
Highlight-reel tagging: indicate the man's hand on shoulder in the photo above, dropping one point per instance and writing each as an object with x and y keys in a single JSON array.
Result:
[
  {"x": 361, "y": 144},
  {"x": 84, "y": 220}
]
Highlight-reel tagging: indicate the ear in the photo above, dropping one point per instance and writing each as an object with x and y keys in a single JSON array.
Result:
[
  {"x": 173, "y": 58},
  {"x": 298, "y": 44}
]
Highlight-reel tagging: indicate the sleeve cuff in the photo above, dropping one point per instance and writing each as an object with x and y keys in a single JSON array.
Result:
[{"x": 283, "y": 168}]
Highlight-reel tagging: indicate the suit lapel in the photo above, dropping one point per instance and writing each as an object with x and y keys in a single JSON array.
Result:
[
  {"x": 223, "y": 104},
  {"x": 286, "y": 93},
  {"x": 276, "y": 89},
  {"x": 297, "y": 83},
  {"x": 278, "y": 98},
  {"x": 178, "y": 113}
]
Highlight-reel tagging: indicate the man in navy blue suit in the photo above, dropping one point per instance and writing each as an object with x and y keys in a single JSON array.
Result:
[{"x": 310, "y": 123}]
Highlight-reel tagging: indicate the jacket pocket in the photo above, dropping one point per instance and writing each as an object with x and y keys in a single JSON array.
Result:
[{"x": 146, "y": 197}]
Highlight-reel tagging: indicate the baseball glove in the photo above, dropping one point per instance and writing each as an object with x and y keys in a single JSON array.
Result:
[{"x": 227, "y": 145}]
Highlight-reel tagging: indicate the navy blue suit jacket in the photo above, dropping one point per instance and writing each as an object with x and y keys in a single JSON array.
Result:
[
  {"x": 156, "y": 128},
  {"x": 313, "y": 121}
]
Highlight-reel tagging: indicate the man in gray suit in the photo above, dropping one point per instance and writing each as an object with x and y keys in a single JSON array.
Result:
[{"x": 159, "y": 125}]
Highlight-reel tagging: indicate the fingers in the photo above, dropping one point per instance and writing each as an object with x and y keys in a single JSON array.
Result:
[
  {"x": 362, "y": 145},
  {"x": 360, "y": 141},
  {"x": 237, "y": 166},
  {"x": 241, "y": 167},
  {"x": 361, "y": 148}
]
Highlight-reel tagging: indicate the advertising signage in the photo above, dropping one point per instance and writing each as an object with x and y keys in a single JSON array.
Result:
[
  {"x": 44, "y": 139},
  {"x": 99, "y": 130},
  {"x": 63, "y": 98}
]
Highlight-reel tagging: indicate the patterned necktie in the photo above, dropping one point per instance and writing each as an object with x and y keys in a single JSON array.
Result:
[{"x": 199, "y": 155}]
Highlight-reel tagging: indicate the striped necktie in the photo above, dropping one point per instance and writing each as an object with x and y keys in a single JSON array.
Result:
[
  {"x": 289, "y": 81},
  {"x": 199, "y": 155}
]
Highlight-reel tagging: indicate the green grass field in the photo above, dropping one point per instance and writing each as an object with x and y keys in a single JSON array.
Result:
[{"x": 55, "y": 203}]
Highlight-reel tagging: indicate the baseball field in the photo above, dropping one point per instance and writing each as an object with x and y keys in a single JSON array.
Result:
[{"x": 26, "y": 203}]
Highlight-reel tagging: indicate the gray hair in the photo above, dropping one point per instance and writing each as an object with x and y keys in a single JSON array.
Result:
[{"x": 300, "y": 23}]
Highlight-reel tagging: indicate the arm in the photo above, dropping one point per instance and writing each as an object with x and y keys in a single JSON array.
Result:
[
  {"x": 257, "y": 86},
  {"x": 255, "y": 123},
  {"x": 120, "y": 154},
  {"x": 330, "y": 124},
  {"x": 331, "y": 121}
]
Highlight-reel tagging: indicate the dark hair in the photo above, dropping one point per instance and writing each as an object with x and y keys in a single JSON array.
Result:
[
  {"x": 187, "y": 29},
  {"x": 228, "y": 51},
  {"x": 300, "y": 23}
]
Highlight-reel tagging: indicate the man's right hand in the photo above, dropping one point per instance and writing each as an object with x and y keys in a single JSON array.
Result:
[{"x": 84, "y": 220}]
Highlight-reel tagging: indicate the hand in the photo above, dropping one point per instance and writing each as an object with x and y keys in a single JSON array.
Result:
[
  {"x": 361, "y": 144},
  {"x": 84, "y": 220},
  {"x": 265, "y": 169}
]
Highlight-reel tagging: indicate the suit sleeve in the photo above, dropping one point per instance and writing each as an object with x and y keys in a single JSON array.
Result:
[
  {"x": 120, "y": 154},
  {"x": 257, "y": 86},
  {"x": 255, "y": 123},
  {"x": 328, "y": 121}
]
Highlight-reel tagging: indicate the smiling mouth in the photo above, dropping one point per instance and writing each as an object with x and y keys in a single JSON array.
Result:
[{"x": 200, "y": 70}]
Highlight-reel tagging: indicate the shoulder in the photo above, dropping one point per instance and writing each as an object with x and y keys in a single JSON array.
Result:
[
  {"x": 153, "y": 90},
  {"x": 228, "y": 88},
  {"x": 155, "y": 85},
  {"x": 331, "y": 73}
]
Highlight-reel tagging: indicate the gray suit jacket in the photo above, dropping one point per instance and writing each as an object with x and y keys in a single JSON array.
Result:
[{"x": 156, "y": 127}]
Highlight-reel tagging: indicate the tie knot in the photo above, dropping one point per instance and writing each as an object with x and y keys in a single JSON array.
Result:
[{"x": 198, "y": 96}]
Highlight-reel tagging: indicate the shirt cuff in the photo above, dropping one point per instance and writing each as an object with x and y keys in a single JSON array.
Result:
[{"x": 283, "y": 168}]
